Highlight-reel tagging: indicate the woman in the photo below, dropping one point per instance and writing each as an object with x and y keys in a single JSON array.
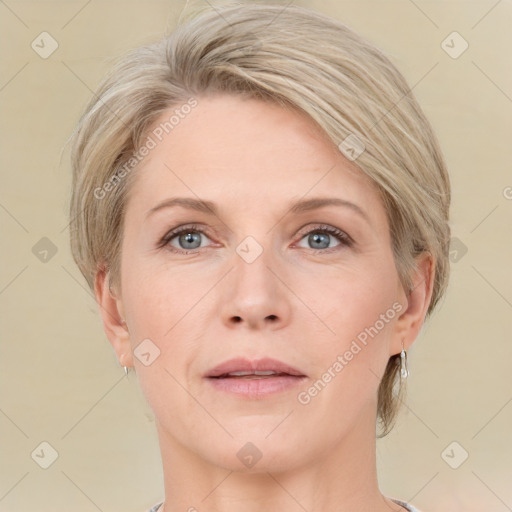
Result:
[{"x": 261, "y": 209}]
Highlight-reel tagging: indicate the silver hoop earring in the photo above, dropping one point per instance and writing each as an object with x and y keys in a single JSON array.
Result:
[
  {"x": 404, "y": 371},
  {"x": 125, "y": 370}
]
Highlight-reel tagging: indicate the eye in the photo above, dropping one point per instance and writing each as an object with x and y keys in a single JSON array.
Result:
[
  {"x": 185, "y": 238},
  {"x": 320, "y": 237}
]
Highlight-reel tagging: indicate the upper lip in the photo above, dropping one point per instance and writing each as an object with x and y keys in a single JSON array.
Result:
[{"x": 241, "y": 364}]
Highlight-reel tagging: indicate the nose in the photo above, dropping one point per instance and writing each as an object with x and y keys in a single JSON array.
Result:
[{"x": 254, "y": 295}]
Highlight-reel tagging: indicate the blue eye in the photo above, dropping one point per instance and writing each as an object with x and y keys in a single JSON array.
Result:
[
  {"x": 319, "y": 237},
  {"x": 189, "y": 240}
]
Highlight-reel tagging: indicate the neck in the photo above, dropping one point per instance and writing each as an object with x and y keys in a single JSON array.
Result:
[{"x": 343, "y": 478}]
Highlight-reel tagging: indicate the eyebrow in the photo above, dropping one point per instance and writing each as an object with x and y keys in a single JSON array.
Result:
[{"x": 300, "y": 206}]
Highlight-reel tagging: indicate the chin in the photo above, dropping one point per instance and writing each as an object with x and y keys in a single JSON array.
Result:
[{"x": 255, "y": 454}]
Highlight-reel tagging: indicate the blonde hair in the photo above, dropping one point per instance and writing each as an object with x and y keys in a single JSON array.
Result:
[{"x": 299, "y": 59}]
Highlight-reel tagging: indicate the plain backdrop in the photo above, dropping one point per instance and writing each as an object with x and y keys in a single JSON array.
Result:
[{"x": 60, "y": 382}]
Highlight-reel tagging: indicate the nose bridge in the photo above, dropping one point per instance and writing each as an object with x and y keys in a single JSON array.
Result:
[
  {"x": 256, "y": 296},
  {"x": 252, "y": 264}
]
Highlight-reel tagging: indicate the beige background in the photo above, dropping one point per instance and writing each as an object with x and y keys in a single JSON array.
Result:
[{"x": 59, "y": 378}]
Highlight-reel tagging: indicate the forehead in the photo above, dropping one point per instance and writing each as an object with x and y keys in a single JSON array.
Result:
[{"x": 247, "y": 151}]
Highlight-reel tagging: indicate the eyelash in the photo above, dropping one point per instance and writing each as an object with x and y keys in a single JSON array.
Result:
[{"x": 341, "y": 236}]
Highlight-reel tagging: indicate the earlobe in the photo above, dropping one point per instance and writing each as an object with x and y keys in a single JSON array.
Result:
[
  {"x": 112, "y": 314},
  {"x": 418, "y": 299}
]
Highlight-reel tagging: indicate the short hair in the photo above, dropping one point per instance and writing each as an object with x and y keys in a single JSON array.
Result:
[{"x": 299, "y": 59}]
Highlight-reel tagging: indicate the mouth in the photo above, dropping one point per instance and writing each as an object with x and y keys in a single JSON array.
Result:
[
  {"x": 255, "y": 387},
  {"x": 253, "y": 375},
  {"x": 254, "y": 379},
  {"x": 257, "y": 368}
]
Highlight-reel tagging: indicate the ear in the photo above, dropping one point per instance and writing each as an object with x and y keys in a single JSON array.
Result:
[
  {"x": 416, "y": 303},
  {"x": 112, "y": 313}
]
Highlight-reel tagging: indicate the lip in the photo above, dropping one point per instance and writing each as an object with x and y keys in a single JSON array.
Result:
[
  {"x": 241, "y": 364},
  {"x": 254, "y": 388}
]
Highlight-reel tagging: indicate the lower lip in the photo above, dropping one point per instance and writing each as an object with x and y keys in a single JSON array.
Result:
[{"x": 256, "y": 388}]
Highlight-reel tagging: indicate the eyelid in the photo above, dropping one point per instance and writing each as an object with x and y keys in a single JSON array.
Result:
[
  {"x": 310, "y": 227},
  {"x": 342, "y": 236},
  {"x": 173, "y": 233}
]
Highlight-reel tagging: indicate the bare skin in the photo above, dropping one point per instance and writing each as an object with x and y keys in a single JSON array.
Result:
[{"x": 298, "y": 302}]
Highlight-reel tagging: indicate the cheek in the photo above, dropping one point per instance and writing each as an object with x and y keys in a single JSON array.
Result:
[
  {"x": 160, "y": 313},
  {"x": 358, "y": 311},
  {"x": 348, "y": 300},
  {"x": 157, "y": 296},
  {"x": 165, "y": 306},
  {"x": 350, "y": 364}
]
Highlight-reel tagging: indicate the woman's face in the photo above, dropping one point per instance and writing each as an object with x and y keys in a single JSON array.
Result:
[{"x": 257, "y": 279}]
